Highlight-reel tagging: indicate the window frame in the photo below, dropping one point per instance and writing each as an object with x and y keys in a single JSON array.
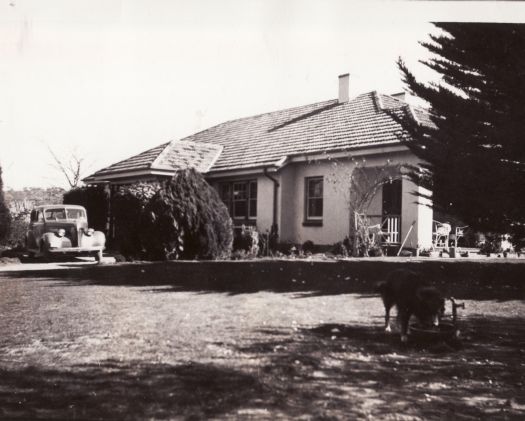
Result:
[
  {"x": 250, "y": 199},
  {"x": 313, "y": 220}
]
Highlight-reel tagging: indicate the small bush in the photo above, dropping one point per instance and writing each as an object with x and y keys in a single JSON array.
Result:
[
  {"x": 342, "y": 248},
  {"x": 240, "y": 255},
  {"x": 247, "y": 239},
  {"x": 308, "y": 247},
  {"x": 495, "y": 243},
  {"x": 377, "y": 252},
  {"x": 338, "y": 249},
  {"x": 186, "y": 219}
]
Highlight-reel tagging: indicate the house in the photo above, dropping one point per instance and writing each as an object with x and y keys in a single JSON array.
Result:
[{"x": 289, "y": 170}]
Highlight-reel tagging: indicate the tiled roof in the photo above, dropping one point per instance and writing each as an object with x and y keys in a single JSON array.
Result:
[
  {"x": 169, "y": 156},
  {"x": 266, "y": 138},
  {"x": 137, "y": 162},
  {"x": 185, "y": 154}
]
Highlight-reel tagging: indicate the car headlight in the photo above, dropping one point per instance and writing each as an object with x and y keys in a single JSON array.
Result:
[
  {"x": 89, "y": 232},
  {"x": 61, "y": 232}
]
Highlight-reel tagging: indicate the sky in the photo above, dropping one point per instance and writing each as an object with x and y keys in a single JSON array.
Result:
[{"x": 107, "y": 79}]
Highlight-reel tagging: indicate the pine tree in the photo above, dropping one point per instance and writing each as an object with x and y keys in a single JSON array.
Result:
[
  {"x": 474, "y": 150},
  {"x": 5, "y": 216}
]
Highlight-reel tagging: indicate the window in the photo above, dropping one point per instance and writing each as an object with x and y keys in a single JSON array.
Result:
[
  {"x": 240, "y": 197},
  {"x": 314, "y": 199},
  {"x": 240, "y": 202},
  {"x": 75, "y": 214},
  {"x": 55, "y": 214}
]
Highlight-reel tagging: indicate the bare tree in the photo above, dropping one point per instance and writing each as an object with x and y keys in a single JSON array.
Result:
[{"x": 71, "y": 167}]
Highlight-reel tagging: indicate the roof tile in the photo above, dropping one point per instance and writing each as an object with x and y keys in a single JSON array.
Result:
[{"x": 266, "y": 138}]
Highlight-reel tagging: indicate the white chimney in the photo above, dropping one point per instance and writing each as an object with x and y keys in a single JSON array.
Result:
[{"x": 344, "y": 88}]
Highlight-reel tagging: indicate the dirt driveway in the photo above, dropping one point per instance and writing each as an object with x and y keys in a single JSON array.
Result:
[{"x": 154, "y": 341}]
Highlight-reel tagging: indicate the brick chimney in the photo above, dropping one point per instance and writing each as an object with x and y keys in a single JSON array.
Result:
[{"x": 344, "y": 88}]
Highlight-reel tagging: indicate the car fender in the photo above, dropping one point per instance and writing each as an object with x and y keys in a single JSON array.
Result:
[{"x": 97, "y": 239}]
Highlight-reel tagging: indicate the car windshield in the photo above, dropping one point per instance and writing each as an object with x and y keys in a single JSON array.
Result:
[
  {"x": 57, "y": 214},
  {"x": 75, "y": 213}
]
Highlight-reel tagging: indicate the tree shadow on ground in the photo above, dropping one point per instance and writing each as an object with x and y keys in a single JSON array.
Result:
[
  {"x": 337, "y": 370},
  {"x": 113, "y": 390},
  {"x": 328, "y": 371},
  {"x": 463, "y": 280}
]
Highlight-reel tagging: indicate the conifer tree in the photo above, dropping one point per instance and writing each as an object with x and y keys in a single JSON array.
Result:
[
  {"x": 474, "y": 149},
  {"x": 186, "y": 219}
]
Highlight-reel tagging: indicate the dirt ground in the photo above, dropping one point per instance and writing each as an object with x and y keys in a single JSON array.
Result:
[{"x": 275, "y": 340}]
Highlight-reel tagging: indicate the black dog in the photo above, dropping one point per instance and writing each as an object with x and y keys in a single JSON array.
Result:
[{"x": 412, "y": 296}]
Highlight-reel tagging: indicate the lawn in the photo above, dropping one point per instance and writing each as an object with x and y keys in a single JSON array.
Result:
[{"x": 247, "y": 340}]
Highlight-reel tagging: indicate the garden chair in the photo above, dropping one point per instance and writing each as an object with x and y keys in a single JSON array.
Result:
[{"x": 440, "y": 234}]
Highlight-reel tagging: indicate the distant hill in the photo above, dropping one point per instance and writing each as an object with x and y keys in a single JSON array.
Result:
[{"x": 24, "y": 200}]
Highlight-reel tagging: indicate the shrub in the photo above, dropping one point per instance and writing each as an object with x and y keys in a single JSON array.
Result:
[
  {"x": 268, "y": 243},
  {"x": 377, "y": 252},
  {"x": 495, "y": 243},
  {"x": 127, "y": 206},
  {"x": 342, "y": 248},
  {"x": 338, "y": 249},
  {"x": 95, "y": 200},
  {"x": 186, "y": 219},
  {"x": 308, "y": 247},
  {"x": 5, "y": 216},
  {"x": 240, "y": 255},
  {"x": 247, "y": 239},
  {"x": 18, "y": 229}
]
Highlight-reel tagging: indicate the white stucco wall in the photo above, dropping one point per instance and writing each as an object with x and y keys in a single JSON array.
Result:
[
  {"x": 336, "y": 213},
  {"x": 424, "y": 221},
  {"x": 335, "y": 203},
  {"x": 265, "y": 203}
]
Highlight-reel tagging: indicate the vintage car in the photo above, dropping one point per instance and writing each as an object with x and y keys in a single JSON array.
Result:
[{"x": 63, "y": 229}]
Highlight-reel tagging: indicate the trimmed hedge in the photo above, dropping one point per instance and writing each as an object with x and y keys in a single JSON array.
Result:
[
  {"x": 127, "y": 207},
  {"x": 94, "y": 199}
]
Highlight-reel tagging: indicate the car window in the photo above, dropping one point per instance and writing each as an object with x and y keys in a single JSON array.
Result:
[
  {"x": 75, "y": 213},
  {"x": 40, "y": 216},
  {"x": 55, "y": 214}
]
